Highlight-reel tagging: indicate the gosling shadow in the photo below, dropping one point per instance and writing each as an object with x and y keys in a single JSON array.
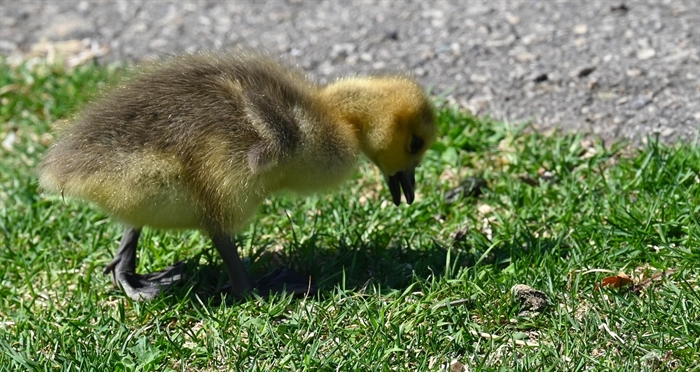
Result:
[{"x": 353, "y": 264}]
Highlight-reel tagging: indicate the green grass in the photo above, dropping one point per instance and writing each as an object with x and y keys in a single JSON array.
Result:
[{"x": 408, "y": 288}]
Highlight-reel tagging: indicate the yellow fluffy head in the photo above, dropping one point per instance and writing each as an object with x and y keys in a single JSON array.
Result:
[
  {"x": 403, "y": 129},
  {"x": 396, "y": 124}
]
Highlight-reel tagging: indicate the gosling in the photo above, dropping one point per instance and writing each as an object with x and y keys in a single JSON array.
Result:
[{"x": 199, "y": 141}]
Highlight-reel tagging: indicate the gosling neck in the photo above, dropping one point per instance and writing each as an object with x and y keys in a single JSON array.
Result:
[{"x": 355, "y": 104}]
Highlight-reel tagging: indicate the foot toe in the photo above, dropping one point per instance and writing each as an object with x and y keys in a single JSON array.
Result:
[
  {"x": 169, "y": 275},
  {"x": 136, "y": 288},
  {"x": 147, "y": 287}
]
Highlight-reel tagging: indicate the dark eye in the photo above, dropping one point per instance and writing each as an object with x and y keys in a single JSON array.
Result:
[{"x": 416, "y": 145}]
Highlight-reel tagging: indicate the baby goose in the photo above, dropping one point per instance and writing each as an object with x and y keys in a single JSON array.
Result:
[{"x": 200, "y": 141}]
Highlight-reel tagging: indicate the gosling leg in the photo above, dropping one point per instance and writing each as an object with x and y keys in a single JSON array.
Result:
[
  {"x": 123, "y": 271},
  {"x": 241, "y": 282}
]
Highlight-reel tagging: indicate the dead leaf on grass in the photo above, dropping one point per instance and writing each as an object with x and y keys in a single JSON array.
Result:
[
  {"x": 617, "y": 281},
  {"x": 636, "y": 286}
]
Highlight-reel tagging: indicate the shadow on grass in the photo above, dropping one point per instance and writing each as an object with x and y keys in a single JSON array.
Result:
[
  {"x": 383, "y": 261},
  {"x": 385, "y": 264}
]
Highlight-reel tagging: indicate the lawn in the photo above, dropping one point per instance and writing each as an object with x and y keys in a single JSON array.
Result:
[{"x": 425, "y": 287}]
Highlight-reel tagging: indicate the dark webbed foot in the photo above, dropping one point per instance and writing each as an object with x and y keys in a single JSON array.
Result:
[
  {"x": 284, "y": 280},
  {"x": 123, "y": 271},
  {"x": 147, "y": 287}
]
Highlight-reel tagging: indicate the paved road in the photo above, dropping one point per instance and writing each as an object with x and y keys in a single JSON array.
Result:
[{"x": 618, "y": 69}]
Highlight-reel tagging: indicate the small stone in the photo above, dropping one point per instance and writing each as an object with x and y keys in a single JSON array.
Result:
[
  {"x": 442, "y": 49},
  {"x": 9, "y": 141},
  {"x": 606, "y": 95},
  {"x": 580, "y": 29},
  {"x": 638, "y": 102},
  {"x": 478, "y": 104},
  {"x": 391, "y": 35},
  {"x": 83, "y": 6},
  {"x": 525, "y": 57},
  {"x": 635, "y": 72},
  {"x": 622, "y": 101},
  {"x": 548, "y": 176},
  {"x": 484, "y": 209},
  {"x": 426, "y": 56},
  {"x": 433, "y": 13},
  {"x": 513, "y": 20},
  {"x": 528, "y": 39},
  {"x": 582, "y": 71},
  {"x": 341, "y": 51},
  {"x": 478, "y": 10},
  {"x": 326, "y": 68},
  {"x": 667, "y": 132},
  {"x": 379, "y": 65},
  {"x": 622, "y": 8},
  {"x": 157, "y": 43},
  {"x": 501, "y": 42},
  {"x": 593, "y": 84},
  {"x": 644, "y": 43},
  {"x": 554, "y": 76},
  {"x": 540, "y": 78},
  {"x": 478, "y": 79},
  {"x": 645, "y": 54}
]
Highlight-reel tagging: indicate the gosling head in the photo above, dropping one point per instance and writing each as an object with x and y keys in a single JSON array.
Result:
[
  {"x": 396, "y": 125},
  {"x": 403, "y": 137}
]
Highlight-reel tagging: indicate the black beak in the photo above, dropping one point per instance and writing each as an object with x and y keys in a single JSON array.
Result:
[{"x": 405, "y": 180}]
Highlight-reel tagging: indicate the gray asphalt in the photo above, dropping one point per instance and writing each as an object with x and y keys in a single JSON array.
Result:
[{"x": 622, "y": 70}]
